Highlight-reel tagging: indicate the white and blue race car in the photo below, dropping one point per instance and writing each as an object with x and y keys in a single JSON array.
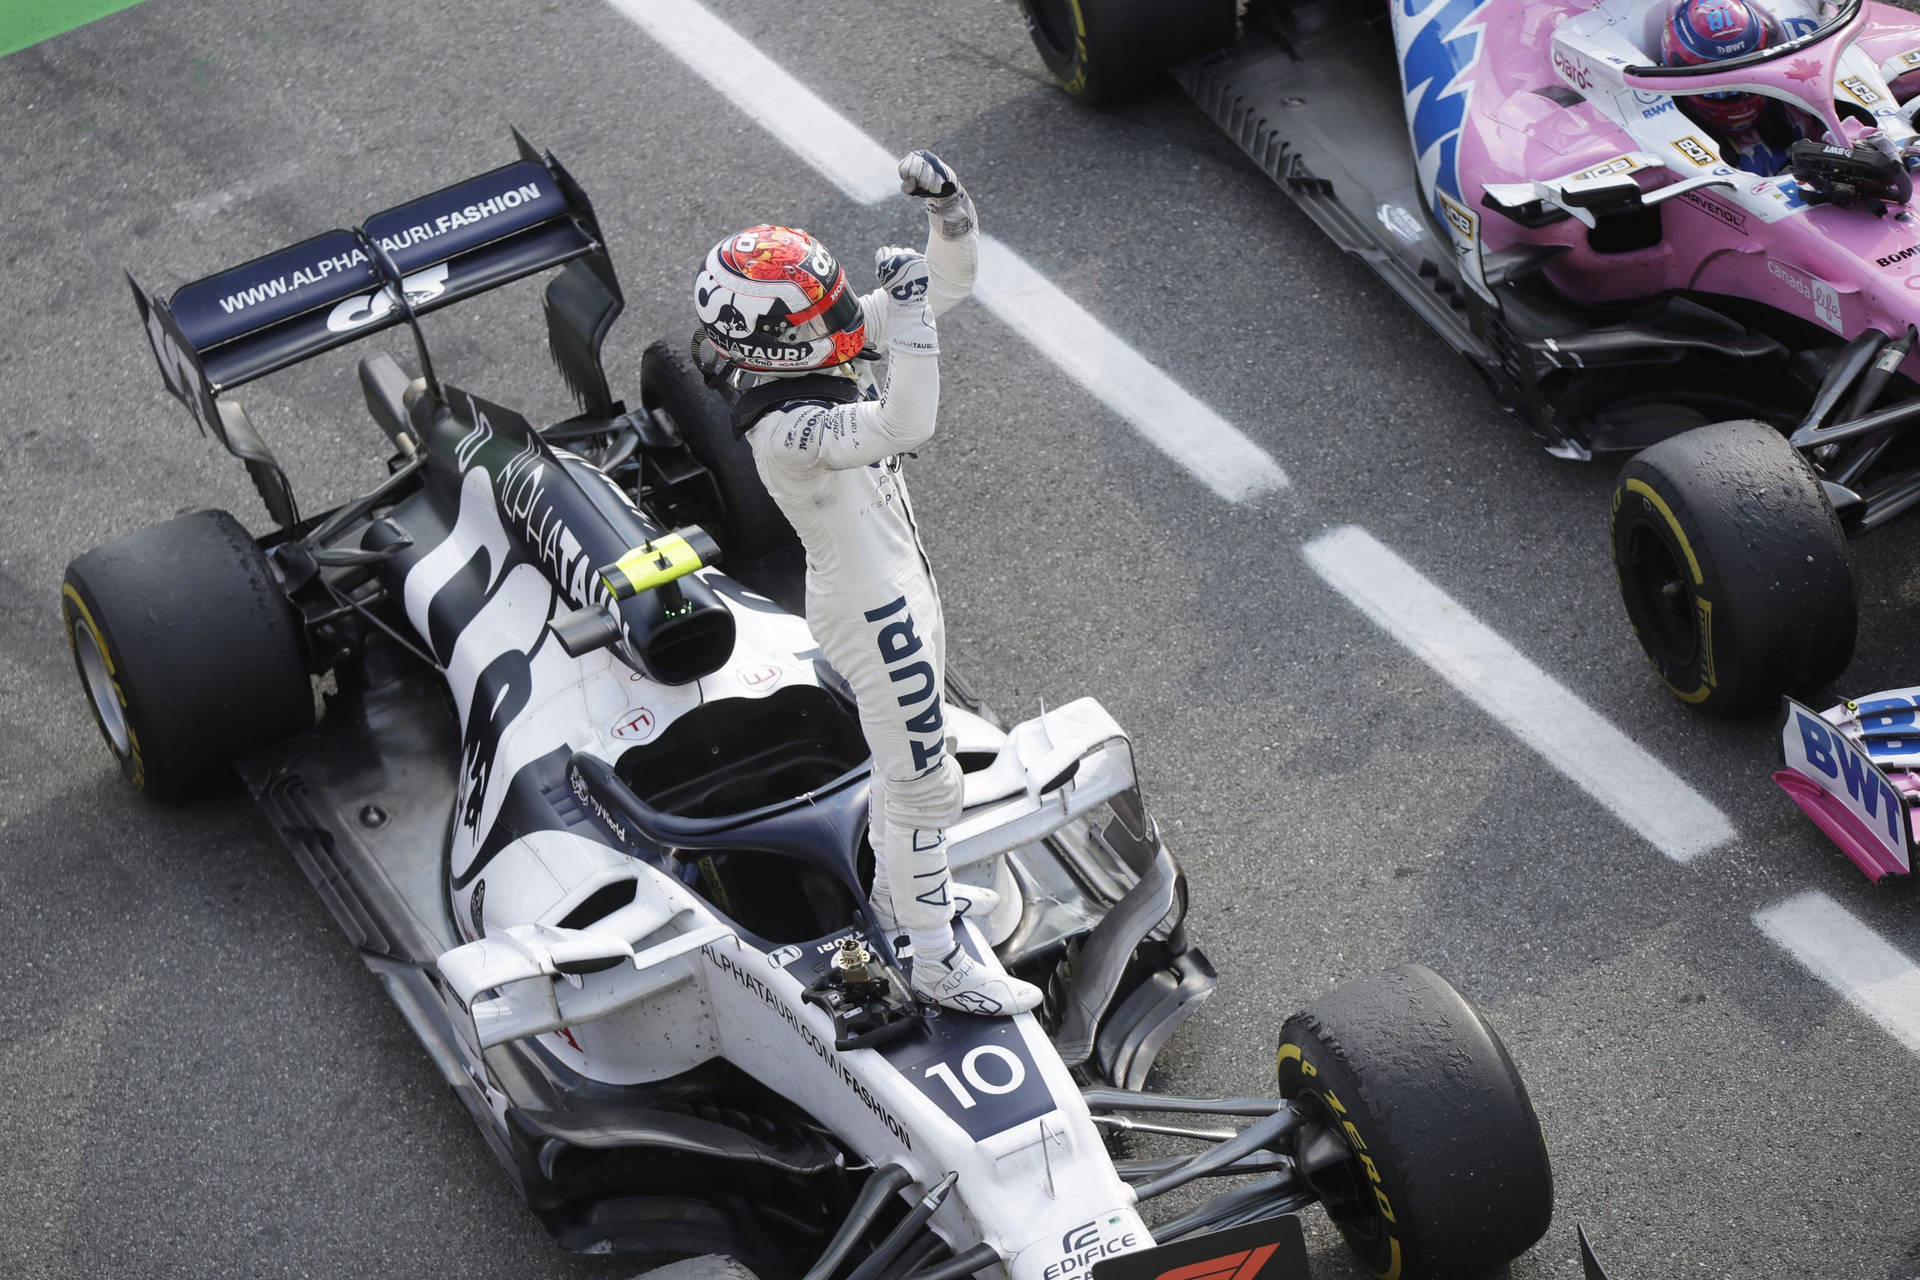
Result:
[{"x": 594, "y": 814}]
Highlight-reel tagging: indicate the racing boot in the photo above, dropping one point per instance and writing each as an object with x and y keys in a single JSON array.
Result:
[
  {"x": 967, "y": 901},
  {"x": 958, "y": 981}
]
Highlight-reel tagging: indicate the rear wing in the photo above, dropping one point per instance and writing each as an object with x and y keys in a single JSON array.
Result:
[{"x": 292, "y": 304}]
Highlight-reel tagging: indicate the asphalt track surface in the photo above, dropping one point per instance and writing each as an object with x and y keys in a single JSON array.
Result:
[{"x": 197, "y": 1076}]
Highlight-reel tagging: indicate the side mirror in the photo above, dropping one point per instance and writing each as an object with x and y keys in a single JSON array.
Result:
[{"x": 1846, "y": 176}]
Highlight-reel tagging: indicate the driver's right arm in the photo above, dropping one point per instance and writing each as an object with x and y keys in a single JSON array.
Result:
[{"x": 854, "y": 435}]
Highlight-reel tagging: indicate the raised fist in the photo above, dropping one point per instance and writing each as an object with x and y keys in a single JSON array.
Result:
[{"x": 924, "y": 174}]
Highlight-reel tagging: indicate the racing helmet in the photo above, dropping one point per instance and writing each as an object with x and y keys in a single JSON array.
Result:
[
  {"x": 773, "y": 300},
  {"x": 1702, "y": 31}
]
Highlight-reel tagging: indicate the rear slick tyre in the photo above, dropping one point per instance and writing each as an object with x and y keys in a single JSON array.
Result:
[
  {"x": 1422, "y": 1143},
  {"x": 189, "y": 652},
  {"x": 1105, "y": 51},
  {"x": 1733, "y": 568}
]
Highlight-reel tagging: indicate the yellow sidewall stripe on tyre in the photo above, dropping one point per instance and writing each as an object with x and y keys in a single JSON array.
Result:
[
  {"x": 1659, "y": 504},
  {"x": 86, "y": 614},
  {"x": 113, "y": 675},
  {"x": 1308, "y": 1070},
  {"x": 1079, "y": 82}
]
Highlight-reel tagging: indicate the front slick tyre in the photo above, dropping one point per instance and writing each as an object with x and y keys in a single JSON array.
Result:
[
  {"x": 188, "y": 651},
  {"x": 1104, "y": 51},
  {"x": 1733, "y": 568},
  {"x": 1421, "y": 1141}
]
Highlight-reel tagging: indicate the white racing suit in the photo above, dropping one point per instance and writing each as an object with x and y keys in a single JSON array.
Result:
[{"x": 871, "y": 602}]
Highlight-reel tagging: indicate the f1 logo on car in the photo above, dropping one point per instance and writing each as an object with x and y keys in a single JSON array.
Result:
[
  {"x": 757, "y": 678},
  {"x": 1270, "y": 1249},
  {"x": 1228, "y": 1266},
  {"x": 635, "y": 726}
]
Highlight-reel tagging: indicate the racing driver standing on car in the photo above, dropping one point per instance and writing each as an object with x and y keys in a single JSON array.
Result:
[{"x": 776, "y": 306}]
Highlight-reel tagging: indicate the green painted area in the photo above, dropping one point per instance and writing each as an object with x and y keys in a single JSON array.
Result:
[{"x": 28, "y": 22}]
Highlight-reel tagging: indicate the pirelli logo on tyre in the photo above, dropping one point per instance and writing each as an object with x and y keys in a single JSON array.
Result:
[
  {"x": 1293, "y": 1064},
  {"x": 1697, "y": 151}
]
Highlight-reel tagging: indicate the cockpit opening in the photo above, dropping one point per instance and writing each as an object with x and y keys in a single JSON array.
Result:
[{"x": 741, "y": 754}]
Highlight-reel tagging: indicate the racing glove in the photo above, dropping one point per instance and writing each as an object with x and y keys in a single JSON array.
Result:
[
  {"x": 904, "y": 275},
  {"x": 927, "y": 176}
]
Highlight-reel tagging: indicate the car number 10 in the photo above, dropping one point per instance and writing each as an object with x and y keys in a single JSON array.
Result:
[{"x": 1016, "y": 1072}]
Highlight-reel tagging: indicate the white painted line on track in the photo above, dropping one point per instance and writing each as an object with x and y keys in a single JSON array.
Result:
[
  {"x": 1210, "y": 448},
  {"x": 1874, "y": 976},
  {"x": 781, "y": 105},
  {"x": 1533, "y": 706}
]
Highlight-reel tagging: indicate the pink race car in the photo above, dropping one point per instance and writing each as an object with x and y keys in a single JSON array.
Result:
[
  {"x": 1557, "y": 187},
  {"x": 1855, "y": 769}
]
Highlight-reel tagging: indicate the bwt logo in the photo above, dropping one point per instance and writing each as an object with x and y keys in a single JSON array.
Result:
[
  {"x": 1084, "y": 1245},
  {"x": 1884, "y": 722},
  {"x": 1824, "y": 749}
]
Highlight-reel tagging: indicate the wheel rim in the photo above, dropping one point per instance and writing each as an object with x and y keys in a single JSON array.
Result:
[
  {"x": 1343, "y": 1187},
  {"x": 1660, "y": 597},
  {"x": 666, "y": 419},
  {"x": 1052, "y": 22},
  {"x": 100, "y": 689}
]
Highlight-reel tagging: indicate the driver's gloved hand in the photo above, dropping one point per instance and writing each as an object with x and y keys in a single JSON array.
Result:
[
  {"x": 927, "y": 176},
  {"x": 902, "y": 273}
]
